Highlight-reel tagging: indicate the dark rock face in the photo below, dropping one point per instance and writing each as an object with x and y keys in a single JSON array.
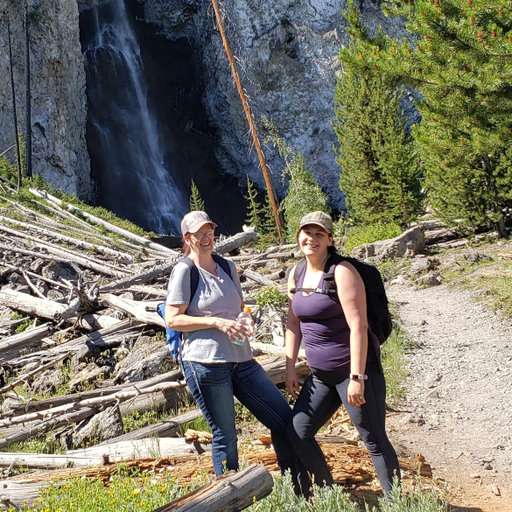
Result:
[{"x": 286, "y": 54}]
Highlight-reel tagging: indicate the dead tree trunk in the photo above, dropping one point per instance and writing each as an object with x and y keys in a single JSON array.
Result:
[{"x": 228, "y": 493}]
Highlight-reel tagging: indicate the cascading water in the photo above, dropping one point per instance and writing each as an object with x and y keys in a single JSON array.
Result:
[{"x": 123, "y": 138}]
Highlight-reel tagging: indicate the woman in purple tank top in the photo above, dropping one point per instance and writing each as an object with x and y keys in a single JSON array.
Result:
[{"x": 345, "y": 367}]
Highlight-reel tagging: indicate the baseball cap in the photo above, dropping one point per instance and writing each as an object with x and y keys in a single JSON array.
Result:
[
  {"x": 319, "y": 219},
  {"x": 194, "y": 221}
]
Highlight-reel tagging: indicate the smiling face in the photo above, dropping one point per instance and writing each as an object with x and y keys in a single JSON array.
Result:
[
  {"x": 313, "y": 240},
  {"x": 201, "y": 241}
]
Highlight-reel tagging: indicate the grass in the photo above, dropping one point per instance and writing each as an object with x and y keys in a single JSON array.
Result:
[
  {"x": 492, "y": 277},
  {"x": 135, "y": 491},
  {"x": 127, "y": 490}
]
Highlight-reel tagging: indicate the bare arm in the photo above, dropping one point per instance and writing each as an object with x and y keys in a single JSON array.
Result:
[
  {"x": 293, "y": 338},
  {"x": 352, "y": 297}
]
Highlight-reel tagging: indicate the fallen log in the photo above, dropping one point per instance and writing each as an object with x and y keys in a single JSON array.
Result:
[
  {"x": 95, "y": 220},
  {"x": 258, "y": 278},
  {"x": 137, "y": 449},
  {"x": 12, "y": 344},
  {"x": 234, "y": 242},
  {"x": 166, "y": 428},
  {"x": 228, "y": 493},
  {"x": 33, "y": 306},
  {"x": 63, "y": 257},
  {"x": 144, "y": 277},
  {"x": 121, "y": 257},
  {"x": 142, "y": 311}
]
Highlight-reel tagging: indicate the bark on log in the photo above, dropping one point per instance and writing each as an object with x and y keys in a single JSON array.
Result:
[
  {"x": 167, "y": 428},
  {"x": 258, "y": 278},
  {"x": 142, "y": 311},
  {"x": 235, "y": 242},
  {"x": 228, "y": 493},
  {"x": 139, "y": 449},
  {"x": 12, "y": 344},
  {"x": 32, "y": 305},
  {"x": 149, "y": 275}
]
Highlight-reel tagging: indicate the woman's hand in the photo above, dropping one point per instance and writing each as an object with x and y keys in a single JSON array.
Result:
[
  {"x": 233, "y": 329},
  {"x": 355, "y": 393},
  {"x": 292, "y": 382}
]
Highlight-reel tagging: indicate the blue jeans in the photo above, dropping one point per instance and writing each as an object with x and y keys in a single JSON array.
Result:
[
  {"x": 318, "y": 401},
  {"x": 214, "y": 387}
]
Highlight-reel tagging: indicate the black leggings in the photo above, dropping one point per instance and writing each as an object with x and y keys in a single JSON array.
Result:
[{"x": 318, "y": 401}]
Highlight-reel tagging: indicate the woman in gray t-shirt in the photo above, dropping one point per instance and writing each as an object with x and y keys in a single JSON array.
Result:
[{"x": 215, "y": 368}]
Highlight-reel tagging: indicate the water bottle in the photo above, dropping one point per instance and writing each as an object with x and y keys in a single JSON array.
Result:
[{"x": 245, "y": 319}]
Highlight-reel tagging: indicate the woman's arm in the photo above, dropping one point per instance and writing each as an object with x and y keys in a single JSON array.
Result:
[
  {"x": 293, "y": 338},
  {"x": 352, "y": 295},
  {"x": 176, "y": 318}
]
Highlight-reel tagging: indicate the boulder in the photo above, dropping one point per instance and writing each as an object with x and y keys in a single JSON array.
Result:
[{"x": 408, "y": 244}]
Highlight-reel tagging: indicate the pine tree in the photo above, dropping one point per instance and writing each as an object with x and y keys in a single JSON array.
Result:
[
  {"x": 304, "y": 194},
  {"x": 196, "y": 201},
  {"x": 254, "y": 209},
  {"x": 380, "y": 173},
  {"x": 461, "y": 63}
]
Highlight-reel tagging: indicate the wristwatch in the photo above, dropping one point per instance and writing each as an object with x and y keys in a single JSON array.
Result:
[{"x": 358, "y": 376}]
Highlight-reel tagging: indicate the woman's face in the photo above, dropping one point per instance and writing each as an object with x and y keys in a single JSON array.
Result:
[
  {"x": 202, "y": 240},
  {"x": 313, "y": 240}
]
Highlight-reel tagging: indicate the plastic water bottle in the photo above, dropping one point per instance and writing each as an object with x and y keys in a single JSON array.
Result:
[{"x": 245, "y": 319}]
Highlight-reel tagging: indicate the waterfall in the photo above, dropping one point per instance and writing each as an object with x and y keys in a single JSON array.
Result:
[{"x": 127, "y": 154}]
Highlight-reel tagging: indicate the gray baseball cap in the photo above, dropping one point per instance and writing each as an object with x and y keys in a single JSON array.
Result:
[
  {"x": 194, "y": 221},
  {"x": 319, "y": 219}
]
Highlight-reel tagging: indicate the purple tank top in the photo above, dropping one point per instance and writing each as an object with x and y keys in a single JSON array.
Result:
[{"x": 325, "y": 332}]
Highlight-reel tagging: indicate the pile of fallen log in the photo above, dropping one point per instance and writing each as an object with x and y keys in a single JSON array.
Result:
[{"x": 88, "y": 337}]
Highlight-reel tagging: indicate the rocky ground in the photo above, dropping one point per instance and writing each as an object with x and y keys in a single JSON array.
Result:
[{"x": 457, "y": 411}]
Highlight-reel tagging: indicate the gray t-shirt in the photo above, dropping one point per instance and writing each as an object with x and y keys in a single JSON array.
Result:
[{"x": 216, "y": 295}]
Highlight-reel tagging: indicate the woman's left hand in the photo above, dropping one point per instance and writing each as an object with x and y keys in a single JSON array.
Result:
[{"x": 355, "y": 393}]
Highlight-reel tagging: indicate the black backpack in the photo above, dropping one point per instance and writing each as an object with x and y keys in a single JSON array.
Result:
[
  {"x": 379, "y": 317},
  {"x": 173, "y": 337}
]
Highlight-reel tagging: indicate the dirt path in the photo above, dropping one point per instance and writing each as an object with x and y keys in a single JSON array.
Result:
[{"x": 458, "y": 410}]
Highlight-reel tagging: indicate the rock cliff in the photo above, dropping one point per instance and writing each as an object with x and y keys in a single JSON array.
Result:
[
  {"x": 287, "y": 58},
  {"x": 57, "y": 90}
]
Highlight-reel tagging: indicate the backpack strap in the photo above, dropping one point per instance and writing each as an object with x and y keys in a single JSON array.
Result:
[
  {"x": 224, "y": 264},
  {"x": 329, "y": 283}
]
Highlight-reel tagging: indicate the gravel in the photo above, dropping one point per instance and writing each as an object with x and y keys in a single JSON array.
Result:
[{"x": 458, "y": 410}]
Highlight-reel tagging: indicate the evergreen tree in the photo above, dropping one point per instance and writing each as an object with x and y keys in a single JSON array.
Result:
[
  {"x": 380, "y": 172},
  {"x": 461, "y": 63},
  {"x": 196, "y": 201},
  {"x": 304, "y": 194},
  {"x": 254, "y": 209}
]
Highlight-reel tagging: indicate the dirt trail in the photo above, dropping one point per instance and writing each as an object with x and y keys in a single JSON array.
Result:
[{"x": 458, "y": 409}]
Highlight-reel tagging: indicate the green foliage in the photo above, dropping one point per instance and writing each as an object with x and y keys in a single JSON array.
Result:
[
  {"x": 270, "y": 296},
  {"x": 304, "y": 194},
  {"x": 393, "y": 363},
  {"x": 367, "y": 233},
  {"x": 260, "y": 217},
  {"x": 380, "y": 169},
  {"x": 461, "y": 63},
  {"x": 283, "y": 499},
  {"x": 8, "y": 170},
  {"x": 196, "y": 201},
  {"x": 419, "y": 500}
]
